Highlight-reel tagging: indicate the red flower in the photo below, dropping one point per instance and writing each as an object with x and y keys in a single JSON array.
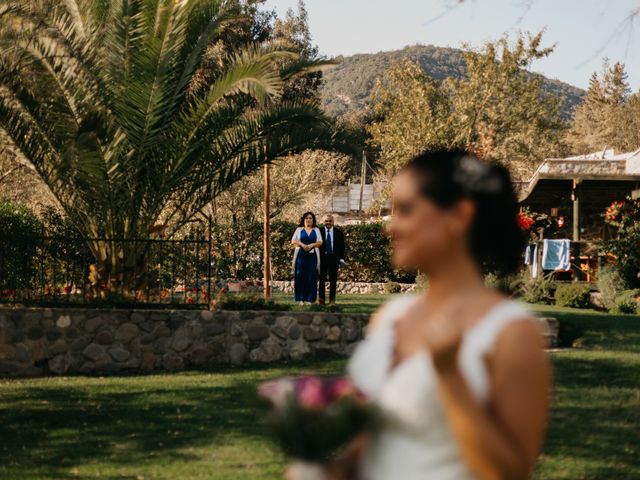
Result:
[
  {"x": 613, "y": 211},
  {"x": 524, "y": 221}
]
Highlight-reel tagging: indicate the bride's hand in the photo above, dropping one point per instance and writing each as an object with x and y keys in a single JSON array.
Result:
[{"x": 442, "y": 336}]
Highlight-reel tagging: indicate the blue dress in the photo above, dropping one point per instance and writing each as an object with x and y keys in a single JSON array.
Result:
[{"x": 305, "y": 287}]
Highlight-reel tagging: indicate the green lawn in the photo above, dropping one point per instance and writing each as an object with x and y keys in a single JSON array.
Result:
[
  {"x": 203, "y": 425},
  {"x": 346, "y": 303}
]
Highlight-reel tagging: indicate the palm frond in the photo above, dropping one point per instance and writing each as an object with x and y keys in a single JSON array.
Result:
[{"x": 94, "y": 94}]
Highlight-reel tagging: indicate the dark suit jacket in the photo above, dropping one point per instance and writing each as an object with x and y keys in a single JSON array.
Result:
[{"x": 338, "y": 243}]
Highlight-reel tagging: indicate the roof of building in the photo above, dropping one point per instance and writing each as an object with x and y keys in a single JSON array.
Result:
[{"x": 605, "y": 166}]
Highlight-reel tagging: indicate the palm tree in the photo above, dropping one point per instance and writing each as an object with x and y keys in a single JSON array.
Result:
[{"x": 96, "y": 96}]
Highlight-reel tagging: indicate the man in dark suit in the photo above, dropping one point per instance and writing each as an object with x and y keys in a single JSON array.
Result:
[{"x": 332, "y": 256}]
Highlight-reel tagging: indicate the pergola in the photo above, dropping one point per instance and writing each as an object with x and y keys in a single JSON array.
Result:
[{"x": 580, "y": 189}]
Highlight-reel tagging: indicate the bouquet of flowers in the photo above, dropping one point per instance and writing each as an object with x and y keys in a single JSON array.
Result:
[{"x": 312, "y": 418}]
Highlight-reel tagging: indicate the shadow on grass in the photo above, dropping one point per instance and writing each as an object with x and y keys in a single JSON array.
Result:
[
  {"x": 56, "y": 428},
  {"x": 171, "y": 423},
  {"x": 595, "y": 417}
]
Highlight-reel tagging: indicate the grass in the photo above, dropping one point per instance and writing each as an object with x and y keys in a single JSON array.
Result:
[
  {"x": 203, "y": 425},
  {"x": 595, "y": 422},
  {"x": 350, "y": 303},
  {"x": 191, "y": 425}
]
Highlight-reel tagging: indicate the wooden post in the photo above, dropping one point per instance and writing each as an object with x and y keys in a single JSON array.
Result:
[
  {"x": 266, "y": 239},
  {"x": 575, "y": 196},
  {"x": 363, "y": 179}
]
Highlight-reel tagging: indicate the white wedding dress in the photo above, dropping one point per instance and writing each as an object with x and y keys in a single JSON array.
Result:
[{"x": 414, "y": 441}]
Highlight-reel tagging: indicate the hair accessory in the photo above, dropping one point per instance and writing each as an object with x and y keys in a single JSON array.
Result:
[{"x": 475, "y": 176}]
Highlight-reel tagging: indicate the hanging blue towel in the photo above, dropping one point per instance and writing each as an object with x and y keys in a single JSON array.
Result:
[{"x": 556, "y": 255}]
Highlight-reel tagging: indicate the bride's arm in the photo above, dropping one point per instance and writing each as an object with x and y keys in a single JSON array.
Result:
[{"x": 502, "y": 441}]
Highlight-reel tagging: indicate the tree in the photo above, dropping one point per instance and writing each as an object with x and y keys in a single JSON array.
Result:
[
  {"x": 294, "y": 32},
  {"x": 98, "y": 97},
  {"x": 499, "y": 110},
  {"x": 608, "y": 117},
  {"x": 299, "y": 182},
  {"x": 411, "y": 113}
]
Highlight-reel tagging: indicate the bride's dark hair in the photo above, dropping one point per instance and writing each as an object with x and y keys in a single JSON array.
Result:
[{"x": 448, "y": 176}]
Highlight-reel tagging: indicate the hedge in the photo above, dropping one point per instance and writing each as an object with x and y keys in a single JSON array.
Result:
[
  {"x": 19, "y": 232},
  {"x": 238, "y": 253},
  {"x": 236, "y": 249}
]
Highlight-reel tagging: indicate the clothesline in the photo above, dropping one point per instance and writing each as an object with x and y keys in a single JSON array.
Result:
[{"x": 556, "y": 256}]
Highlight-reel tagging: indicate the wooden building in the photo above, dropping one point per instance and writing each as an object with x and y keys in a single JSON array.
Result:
[{"x": 575, "y": 192}]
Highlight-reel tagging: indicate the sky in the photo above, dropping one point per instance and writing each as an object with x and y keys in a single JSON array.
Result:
[{"x": 583, "y": 31}]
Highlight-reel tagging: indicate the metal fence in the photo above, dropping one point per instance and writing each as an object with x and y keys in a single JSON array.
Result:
[{"x": 61, "y": 271}]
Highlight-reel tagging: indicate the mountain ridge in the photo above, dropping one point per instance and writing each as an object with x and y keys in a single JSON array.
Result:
[{"x": 347, "y": 86}]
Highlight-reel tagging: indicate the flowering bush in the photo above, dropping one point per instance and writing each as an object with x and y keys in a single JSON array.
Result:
[
  {"x": 614, "y": 213},
  {"x": 312, "y": 418},
  {"x": 534, "y": 222},
  {"x": 624, "y": 218}
]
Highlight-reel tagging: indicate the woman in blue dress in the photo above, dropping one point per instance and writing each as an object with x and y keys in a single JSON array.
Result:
[{"x": 306, "y": 259}]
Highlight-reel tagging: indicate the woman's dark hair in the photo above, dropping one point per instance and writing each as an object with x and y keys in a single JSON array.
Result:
[
  {"x": 448, "y": 176},
  {"x": 301, "y": 224}
]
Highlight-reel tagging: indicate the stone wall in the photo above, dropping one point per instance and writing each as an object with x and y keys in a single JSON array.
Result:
[
  {"x": 88, "y": 341},
  {"x": 76, "y": 341}
]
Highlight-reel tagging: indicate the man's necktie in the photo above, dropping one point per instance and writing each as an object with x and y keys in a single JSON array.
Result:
[{"x": 329, "y": 245}]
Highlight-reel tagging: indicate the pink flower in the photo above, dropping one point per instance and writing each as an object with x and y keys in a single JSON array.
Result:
[
  {"x": 311, "y": 392},
  {"x": 341, "y": 387},
  {"x": 277, "y": 392}
]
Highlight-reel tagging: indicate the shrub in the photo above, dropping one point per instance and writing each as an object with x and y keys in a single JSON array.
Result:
[
  {"x": 282, "y": 250},
  {"x": 626, "y": 302},
  {"x": 507, "y": 284},
  {"x": 573, "y": 295},
  {"x": 533, "y": 289},
  {"x": 392, "y": 288},
  {"x": 237, "y": 253},
  {"x": 610, "y": 285},
  {"x": 20, "y": 232},
  {"x": 369, "y": 255}
]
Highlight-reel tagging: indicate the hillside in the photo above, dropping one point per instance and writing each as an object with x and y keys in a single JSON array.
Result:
[{"x": 347, "y": 86}]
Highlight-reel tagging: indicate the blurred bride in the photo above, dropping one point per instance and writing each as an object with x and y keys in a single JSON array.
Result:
[{"x": 458, "y": 372}]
